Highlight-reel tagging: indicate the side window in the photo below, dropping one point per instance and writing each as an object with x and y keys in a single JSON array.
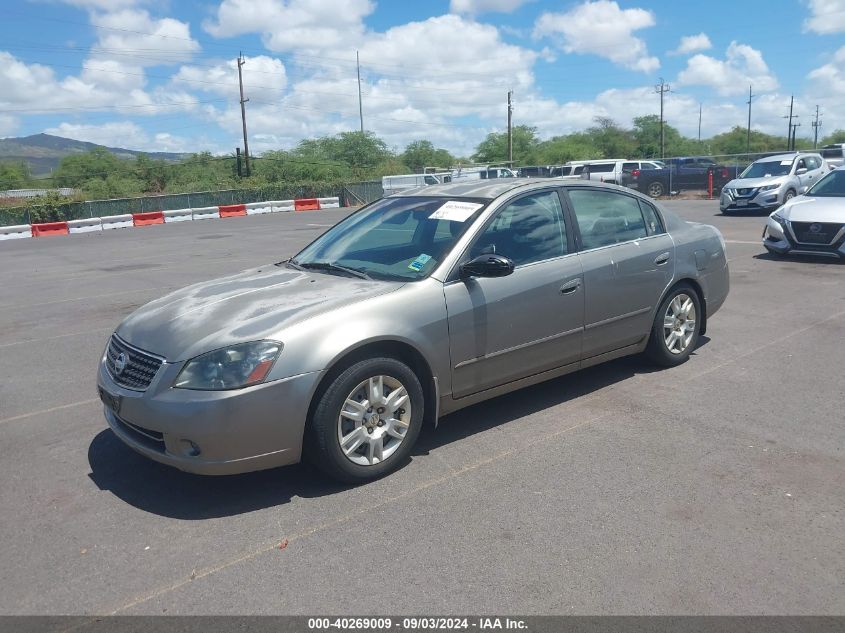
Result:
[
  {"x": 606, "y": 217},
  {"x": 430, "y": 180},
  {"x": 602, "y": 168},
  {"x": 529, "y": 229},
  {"x": 630, "y": 166},
  {"x": 652, "y": 219},
  {"x": 813, "y": 162},
  {"x": 801, "y": 165}
]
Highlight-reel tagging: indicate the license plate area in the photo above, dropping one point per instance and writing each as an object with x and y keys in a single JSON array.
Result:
[
  {"x": 815, "y": 238},
  {"x": 111, "y": 400},
  {"x": 742, "y": 203}
]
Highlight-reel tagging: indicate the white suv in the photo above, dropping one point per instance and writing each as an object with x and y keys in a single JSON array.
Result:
[{"x": 772, "y": 181}]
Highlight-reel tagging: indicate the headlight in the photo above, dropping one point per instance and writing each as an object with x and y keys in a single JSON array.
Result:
[
  {"x": 769, "y": 187},
  {"x": 230, "y": 368},
  {"x": 777, "y": 217}
]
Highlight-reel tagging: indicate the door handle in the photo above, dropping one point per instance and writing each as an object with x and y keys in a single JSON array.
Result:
[
  {"x": 571, "y": 286},
  {"x": 661, "y": 259}
]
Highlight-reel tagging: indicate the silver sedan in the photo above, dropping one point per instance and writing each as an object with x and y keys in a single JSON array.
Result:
[{"x": 411, "y": 308}]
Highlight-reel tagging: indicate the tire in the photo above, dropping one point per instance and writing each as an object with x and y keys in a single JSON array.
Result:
[
  {"x": 684, "y": 339},
  {"x": 655, "y": 189},
  {"x": 337, "y": 418},
  {"x": 789, "y": 195}
]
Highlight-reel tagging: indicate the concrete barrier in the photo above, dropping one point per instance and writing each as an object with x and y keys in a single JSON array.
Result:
[
  {"x": 282, "y": 206},
  {"x": 15, "y": 232},
  {"x": 86, "y": 225},
  {"x": 147, "y": 219},
  {"x": 206, "y": 213},
  {"x": 329, "y": 203},
  {"x": 257, "y": 208},
  {"x": 46, "y": 229},
  {"x": 123, "y": 221},
  {"x": 178, "y": 215}
]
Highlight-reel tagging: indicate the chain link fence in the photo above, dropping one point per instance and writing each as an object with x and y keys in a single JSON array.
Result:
[{"x": 350, "y": 194}]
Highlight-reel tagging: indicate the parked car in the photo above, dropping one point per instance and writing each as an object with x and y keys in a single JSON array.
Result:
[
  {"x": 482, "y": 173},
  {"x": 811, "y": 224},
  {"x": 833, "y": 154},
  {"x": 607, "y": 171},
  {"x": 395, "y": 184},
  {"x": 413, "y": 307},
  {"x": 772, "y": 181},
  {"x": 570, "y": 171},
  {"x": 679, "y": 174},
  {"x": 533, "y": 171}
]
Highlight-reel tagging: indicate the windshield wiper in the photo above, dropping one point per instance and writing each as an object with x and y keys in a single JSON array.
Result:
[{"x": 332, "y": 266}]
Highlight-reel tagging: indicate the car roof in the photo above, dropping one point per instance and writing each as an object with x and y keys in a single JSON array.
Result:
[
  {"x": 490, "y": 189},
  {"x": 789, "y": 156}
]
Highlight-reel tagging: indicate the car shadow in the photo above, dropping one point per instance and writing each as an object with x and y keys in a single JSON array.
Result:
[
  {"x": 806, "y": 259},
  {"x": 165, "y": 491}
]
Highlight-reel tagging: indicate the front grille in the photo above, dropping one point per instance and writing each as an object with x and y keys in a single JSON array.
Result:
[
  {"x": 815, "y": 232},
  {"x": 139, "y": 367}
]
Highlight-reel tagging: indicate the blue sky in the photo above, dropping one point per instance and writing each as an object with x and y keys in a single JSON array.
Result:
[{"x": 161, "y": 75}]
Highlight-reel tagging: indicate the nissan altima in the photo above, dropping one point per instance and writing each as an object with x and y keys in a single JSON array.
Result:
[
  {"x": 412, "y": 307},
  {"x": 812, "y": 224}
]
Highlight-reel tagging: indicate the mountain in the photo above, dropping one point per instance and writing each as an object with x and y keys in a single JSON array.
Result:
[{"x": 43, "y": 152}]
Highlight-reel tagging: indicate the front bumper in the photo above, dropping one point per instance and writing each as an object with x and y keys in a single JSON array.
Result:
[
  {"x": 763, "y": 201},
  {"x": 211, "y": 432},
  {"x": 782, "y": 240}
]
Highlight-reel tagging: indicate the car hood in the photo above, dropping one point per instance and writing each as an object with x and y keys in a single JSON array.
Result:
[
  {"x": 751, "y": 183},
  {"x": 810, "y": 209},
  {"x": 251, "y": 305}
]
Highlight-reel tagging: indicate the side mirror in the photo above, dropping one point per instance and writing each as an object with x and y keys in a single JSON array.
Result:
[
  {"x": 487, "y": 266},
  {"x": 801, "y": 171}
]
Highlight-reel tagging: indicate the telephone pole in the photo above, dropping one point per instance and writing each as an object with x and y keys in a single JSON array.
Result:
[
  {"x": 748, "y": 129},
  {"x": 662, "y": 89},
  {"x": 510, "y": 128},
  {"x": 241, "y": 62},
  {"x": 795, "y": 127},
  {"x": 816, "y": 125},
  {"x": 360, "y": 103},
  {"x": 699, "y": 122},
  {"x": 789, "y": 127}
]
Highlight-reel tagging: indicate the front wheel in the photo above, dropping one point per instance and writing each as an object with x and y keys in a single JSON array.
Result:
[
  {"x": 368, "y": 420},
  {"x": 676, "y": 327},
  {"x": 789, "y": 195},
  {"x": 655, "y": 189}
]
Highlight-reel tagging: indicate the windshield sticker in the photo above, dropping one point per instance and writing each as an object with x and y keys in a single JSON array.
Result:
[
  {"x": 455, "y": 211},
  {"x": 419, "y": 262},
  {"x": 786, "y": 162}
]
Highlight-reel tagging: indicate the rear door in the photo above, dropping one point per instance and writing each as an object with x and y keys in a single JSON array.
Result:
[
  {"x": 506, "y": 328},
  {"x": 628, "y": 262}
]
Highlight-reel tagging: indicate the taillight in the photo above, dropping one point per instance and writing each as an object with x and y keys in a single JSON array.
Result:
[
  {"x": 635, "y": 173},
  {"x": 724, "y": 172}
]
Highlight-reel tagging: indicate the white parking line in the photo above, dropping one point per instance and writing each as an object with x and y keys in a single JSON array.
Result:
[{"x": 50, "y": 410}]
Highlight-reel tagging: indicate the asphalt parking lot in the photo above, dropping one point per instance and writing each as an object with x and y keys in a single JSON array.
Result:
[{"x": 712, "y": 488}]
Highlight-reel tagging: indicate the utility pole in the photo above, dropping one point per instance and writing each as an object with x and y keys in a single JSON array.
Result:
[
  {"x": 816, "y": 125},
  {"x": 795, "y": 127},
  {"x": 748, "y": 129},
  {"x": 510, "y": 128},
  {"x": 789, "y": 127},
  {"x": 241, "y": 62},
  {"x": 662, "y": 89},
  {"x": 699, "y": 121},
  {"x": 360, "y": 103}
]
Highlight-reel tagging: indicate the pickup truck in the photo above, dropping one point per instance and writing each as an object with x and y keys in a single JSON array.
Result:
[{"x": 682, "y": 173}]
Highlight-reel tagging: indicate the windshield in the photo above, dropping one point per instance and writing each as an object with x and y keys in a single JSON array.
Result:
[
  {"x": 767, "y": 169},
  {"x": 831, "y": 186},
  {"x": 393, "y": 238}
]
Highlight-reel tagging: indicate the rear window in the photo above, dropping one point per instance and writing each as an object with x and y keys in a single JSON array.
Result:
[
  {"x": 833, "y": 152},
  {"x": 599, "y": 168}
]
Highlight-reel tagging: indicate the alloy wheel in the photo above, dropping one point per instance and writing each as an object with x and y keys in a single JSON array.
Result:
[{"x": 679, "y": 323}]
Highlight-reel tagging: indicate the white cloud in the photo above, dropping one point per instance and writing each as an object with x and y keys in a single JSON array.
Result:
[
  {"x": 601, "y": 28},
  {"x": 743, "y": 66},
  {"x": 831, "y": 76},
  {"x": 264, "y": 78},
  {"x": 8, "y": 125},
  {"x": 693, "y": 43},
  {"x": 826, "y": 16},
  {"x": 475, "y": 7},
  {"x": 303, "y": 25},
  {"x": 123, "y": 134},
  {"x": 149, "y": 41}
]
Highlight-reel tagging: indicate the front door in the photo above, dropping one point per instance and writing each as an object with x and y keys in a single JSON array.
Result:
[
  {"x": 506, "y": 328},
  {"x": 628, "y": 262}
]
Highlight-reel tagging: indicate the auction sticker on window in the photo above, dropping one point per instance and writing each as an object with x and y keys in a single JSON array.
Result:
[
  {"x": 419, "y": 262},
  {"x": 455, "y": 211}
]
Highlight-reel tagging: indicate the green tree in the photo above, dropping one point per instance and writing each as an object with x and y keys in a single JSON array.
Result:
[
  {"x": 99, "y": 163},
  {"x": 734, "y": 142},
  {"x": 421, "y": 154},
  {"x": 562, "y": 149},
  {"x": 838, "y": 136},
  {"x": 14, "y": 175},
  {"x": 494, "y": 148},
  {"x": 611, "y": 140}
]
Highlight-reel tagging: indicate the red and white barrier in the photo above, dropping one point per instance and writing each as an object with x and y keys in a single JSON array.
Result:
[
  {"x": 123, "y": 221},
  {"x": 15, "y": 232},
  {"x": 128, "y": 220},
  {"x": 179, "y": 215},
  {"x": 86, "y": 225},
  {"x": 206, "y": 213},
  {"x": 46, "y": 229}
]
